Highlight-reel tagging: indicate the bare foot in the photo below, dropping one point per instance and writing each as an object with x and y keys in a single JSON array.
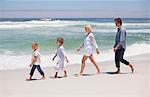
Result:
[
  {"x": 43, "y": 77},
  {"x": 28, "y": 79},
  {"x": 65, "y": 75},
  {"x": 79, "y": 75},
  {"x": 98, "y": 72},
  {"x": 117, "y": 72}
]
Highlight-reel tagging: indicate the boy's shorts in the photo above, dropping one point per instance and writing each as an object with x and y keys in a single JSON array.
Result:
[{"x": 60, "y": 66}]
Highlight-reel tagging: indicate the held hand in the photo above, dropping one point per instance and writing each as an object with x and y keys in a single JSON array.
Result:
[
  {"x": 30, "y": 65},
  {"x": 67, "y": 61},
  {"x": 97, "y": 51},
  {"x": 53, "y": 59},
  {"x": 114, "y": 49},
  {"x": 78, "y": 49}
]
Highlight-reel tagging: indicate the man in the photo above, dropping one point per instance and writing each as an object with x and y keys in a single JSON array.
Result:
[{"x": 120, "y": 46}]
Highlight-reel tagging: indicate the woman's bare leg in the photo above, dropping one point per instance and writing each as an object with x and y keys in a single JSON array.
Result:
[
  {"x": 94, "y": 63},
  {"x": 83, "y": 64}
]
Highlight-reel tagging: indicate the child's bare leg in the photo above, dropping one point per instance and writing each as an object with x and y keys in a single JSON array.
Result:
[
  {"x": 56, "y": 75},
  {"x": 94, "y": 63},
  {"x": 83, "y": 64},
  {"x": 65, "y": 72}
]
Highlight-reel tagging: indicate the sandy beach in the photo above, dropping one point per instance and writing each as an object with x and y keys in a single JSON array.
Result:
[
  {"x": 34, "y": 31},
  {"x": 13, "y": 82}
]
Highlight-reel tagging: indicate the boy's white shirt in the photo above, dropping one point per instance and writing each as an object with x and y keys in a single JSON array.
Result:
[
  {"x": 89, "y": 42},
  {"x": 36, "y": 54},
  {"x": 61, "y": 54}
]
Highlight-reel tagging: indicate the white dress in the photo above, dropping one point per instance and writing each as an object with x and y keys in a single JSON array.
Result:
[
  {"x": 88, "y": 44},
  {"x": 61, "y": 54}
]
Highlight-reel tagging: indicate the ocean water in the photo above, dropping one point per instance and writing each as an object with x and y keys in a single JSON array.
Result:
[{"x": 16, "y": 36}]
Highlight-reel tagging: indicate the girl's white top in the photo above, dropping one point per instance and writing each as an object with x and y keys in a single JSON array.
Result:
[
  {"x": 89, "y": 42},
  {"x": 61, "y": 54},
  {"x": 36, "y": 54}
]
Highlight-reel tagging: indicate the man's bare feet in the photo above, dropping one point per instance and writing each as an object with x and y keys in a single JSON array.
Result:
[
  {"x": 132, "y": 68},
  {"x": 118, "y": 71},
  {"x": 43, "y": 77},
  {"x": 30, "y": 78}
]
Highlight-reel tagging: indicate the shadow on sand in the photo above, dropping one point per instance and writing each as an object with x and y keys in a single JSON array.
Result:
[
  {"x": 52, "y": 77},
  {"x": 32, "y": 79},
  {"x": 114, "y": 73},
  {"x": 76, "y": 75}
]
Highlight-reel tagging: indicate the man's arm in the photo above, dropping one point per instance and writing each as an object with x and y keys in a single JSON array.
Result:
[
  {"x": 121, "y": 39},
  {"x": 94, "y": 43},
  {"x": 81, "y": 46}
]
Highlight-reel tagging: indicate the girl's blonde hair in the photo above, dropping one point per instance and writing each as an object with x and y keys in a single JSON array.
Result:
[
  {"x": 88, "y": 26},
  {"x": 35, "y": 43}
]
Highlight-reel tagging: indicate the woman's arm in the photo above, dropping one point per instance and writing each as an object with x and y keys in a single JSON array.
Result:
[
  {"x": 93, "y": 41},
  {"x": 81, "y": 46},
  {"x": 121, "y": 39}
]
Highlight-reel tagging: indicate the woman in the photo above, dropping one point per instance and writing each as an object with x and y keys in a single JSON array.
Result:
[{"x": 88, "y": 44}]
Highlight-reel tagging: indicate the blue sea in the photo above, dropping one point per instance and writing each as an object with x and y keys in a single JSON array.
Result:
[{"x": 17, "y": 34}]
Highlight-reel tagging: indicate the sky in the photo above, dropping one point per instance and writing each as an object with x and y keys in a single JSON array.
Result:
[{"x": 74, "y": 8}]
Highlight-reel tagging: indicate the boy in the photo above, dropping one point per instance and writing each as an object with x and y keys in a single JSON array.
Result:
[{"x": 61, "y": 56}]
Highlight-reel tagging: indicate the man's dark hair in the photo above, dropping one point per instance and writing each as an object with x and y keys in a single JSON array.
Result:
[{"x": 118, "y": 20}]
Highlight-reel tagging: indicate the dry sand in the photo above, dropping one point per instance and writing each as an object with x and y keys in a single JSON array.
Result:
[{"x": 13, "y": 82}]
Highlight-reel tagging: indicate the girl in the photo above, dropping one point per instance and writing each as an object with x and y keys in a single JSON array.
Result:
[
  {"x": 88, "y": 43},
  {"x": 36, "y": 61}
]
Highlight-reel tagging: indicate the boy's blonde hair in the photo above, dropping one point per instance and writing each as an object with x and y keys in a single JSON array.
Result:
[{"x": 60, "y": 40}]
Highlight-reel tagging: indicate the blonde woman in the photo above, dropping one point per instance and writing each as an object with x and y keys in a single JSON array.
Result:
[{"x": 88, "y": 44}]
